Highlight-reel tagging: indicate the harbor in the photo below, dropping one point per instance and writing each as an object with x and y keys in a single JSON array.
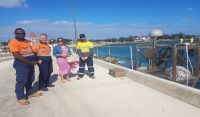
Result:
[
  {"x": 99, "y": 58},
  {"x": 160, "y": 60}
]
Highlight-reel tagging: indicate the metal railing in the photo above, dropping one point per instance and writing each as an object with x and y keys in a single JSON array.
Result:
[
  {"x": 123, "y": 55},
  {"x": 5, "y": 55}
]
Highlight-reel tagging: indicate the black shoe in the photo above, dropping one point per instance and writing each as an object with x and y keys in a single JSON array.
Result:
[
  {"x": 50, "y": 85},
  {"x": 45, "y": 89},
  {"x": 78, "y": 78},
  {"x": 92, "y": 77}
]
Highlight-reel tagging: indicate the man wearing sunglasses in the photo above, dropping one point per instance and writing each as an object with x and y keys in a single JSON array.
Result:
[{"x": 24, "y": 61}]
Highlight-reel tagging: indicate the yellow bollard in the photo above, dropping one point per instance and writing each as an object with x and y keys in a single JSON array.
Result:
[
  {"x": 181, "y": 40},
  {"x": 191, "y": 40}
]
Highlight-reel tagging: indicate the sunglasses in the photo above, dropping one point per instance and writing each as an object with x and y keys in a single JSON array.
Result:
[
  {"x": 60, "y": 40},
  {"x": 20, "y": 33}
]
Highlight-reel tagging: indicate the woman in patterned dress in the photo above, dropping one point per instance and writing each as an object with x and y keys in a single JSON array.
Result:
[{"x": 60, "y": 51}]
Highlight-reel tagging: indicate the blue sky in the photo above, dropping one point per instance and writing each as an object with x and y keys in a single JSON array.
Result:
[{"x": 99, "y": 18}]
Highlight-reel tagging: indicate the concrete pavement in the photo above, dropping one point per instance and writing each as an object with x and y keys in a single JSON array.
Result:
[{"x": 103, "y": 97}]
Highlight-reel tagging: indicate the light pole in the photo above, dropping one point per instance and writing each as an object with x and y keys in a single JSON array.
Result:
[{"x": 74, "y": 20}]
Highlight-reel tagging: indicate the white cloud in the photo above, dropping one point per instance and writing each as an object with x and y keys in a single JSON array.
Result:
[
  {"x": 62, "y": 22},
  {"x": 136, "y": 24},
  {"x": 189, "y": 9},
  {"x": 13, "y": 3},
  {"x": 34, "y": 21}
]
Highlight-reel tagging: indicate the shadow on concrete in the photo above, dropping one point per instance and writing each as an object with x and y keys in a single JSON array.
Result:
[
  {"x": 53, "y": 78},
  {"x": 72, "y": 75}
]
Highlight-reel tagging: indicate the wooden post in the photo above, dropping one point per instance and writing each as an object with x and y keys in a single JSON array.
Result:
[
  {"x": 165, "y": 59},
  {"x": 197, "y": 66},
  {"x": 174, "y": 64},
  {"x": 154, "y": 57},
  {"x": 180, "y": 57},
  {"x": 198, "y": 62}
]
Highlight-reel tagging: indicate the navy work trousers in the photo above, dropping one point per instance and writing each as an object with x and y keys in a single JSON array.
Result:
[
  {"x": 45, "y": 69},
  {"x": 25, "y": 75},
  {"x": 89, "y": 63}
]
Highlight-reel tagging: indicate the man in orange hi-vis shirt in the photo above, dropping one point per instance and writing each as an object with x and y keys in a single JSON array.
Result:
[
  {"x": 24, "y": 65},
  {"x": 43, "y": 52}
]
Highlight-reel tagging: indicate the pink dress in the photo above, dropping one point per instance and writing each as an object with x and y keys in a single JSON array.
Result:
[{"x": 64, "y": 67}]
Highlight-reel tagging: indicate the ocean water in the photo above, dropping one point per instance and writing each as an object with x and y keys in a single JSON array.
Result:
[{"x": 122, "y": 53}]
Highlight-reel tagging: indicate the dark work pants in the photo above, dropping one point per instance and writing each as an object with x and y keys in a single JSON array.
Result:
[
  {"x": 89, "y": 63},
  {"x": 45, "y": 69},
  {"x": 25, "y": 75}
]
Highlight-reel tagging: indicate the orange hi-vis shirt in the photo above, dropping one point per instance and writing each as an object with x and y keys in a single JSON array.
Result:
[
  {"x": 41, "y": 49},
  {"x": 22, "y": 47}
]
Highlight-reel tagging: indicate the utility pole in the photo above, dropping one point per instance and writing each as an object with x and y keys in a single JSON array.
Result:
[{"x": 74, "y": 20}]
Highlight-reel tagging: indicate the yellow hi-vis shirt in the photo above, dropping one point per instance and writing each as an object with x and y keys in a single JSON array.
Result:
[{"x": 85, "y": 46}]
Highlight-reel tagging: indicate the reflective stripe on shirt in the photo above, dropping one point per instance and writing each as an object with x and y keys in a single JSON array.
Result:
[{"x": 26, "y": 55}]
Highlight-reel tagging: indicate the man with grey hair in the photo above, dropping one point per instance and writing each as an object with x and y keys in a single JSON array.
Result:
[{"x": 43, "y": 52}]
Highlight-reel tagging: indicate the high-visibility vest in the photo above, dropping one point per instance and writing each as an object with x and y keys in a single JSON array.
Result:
[
  {"x": 22, "y": 47},
  {"x": 41, "y": 49},
  {"x": 84, "y": 46}
]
